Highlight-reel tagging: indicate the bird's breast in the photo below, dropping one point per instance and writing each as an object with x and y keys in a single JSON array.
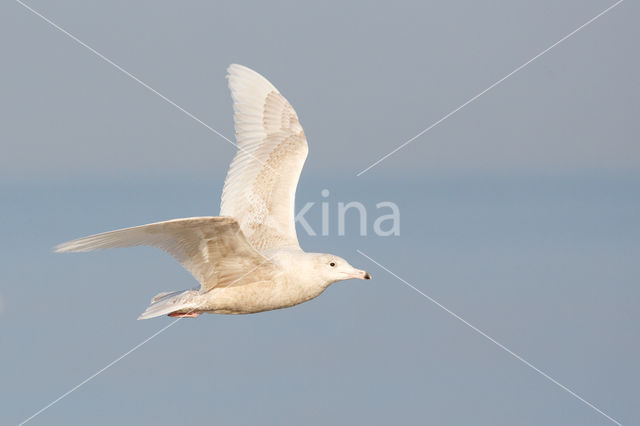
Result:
[{"x": 259, "y": 296}]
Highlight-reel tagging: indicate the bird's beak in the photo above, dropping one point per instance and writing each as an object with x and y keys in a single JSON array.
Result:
[{"x": 358, "y": 274}]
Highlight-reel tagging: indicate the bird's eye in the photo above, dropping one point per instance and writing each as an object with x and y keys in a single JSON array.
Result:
[{"x": 332, "y": 264}]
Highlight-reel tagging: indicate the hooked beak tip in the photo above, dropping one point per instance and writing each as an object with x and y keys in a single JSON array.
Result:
[{"x": 358, "y": 274}]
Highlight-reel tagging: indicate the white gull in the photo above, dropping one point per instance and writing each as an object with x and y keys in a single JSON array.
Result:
[{"x": 248, "y": 259}]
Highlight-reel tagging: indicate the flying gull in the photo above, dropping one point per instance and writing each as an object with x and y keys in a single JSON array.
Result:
[{"x": 248, "y": 259}]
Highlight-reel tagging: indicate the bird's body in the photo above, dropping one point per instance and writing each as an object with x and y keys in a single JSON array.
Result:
[
  {"x": 287, "y": 288},
  {"x": 260, "y": 290},
  {"x": 247, "y": 259}
]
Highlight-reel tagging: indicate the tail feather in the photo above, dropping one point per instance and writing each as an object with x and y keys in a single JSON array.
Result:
[
  {"x": 167, "y": 303},
  {"x": 163, "y": 294}
]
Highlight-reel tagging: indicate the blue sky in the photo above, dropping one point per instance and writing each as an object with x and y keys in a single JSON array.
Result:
[
  {"x": 363, "y": 81},
  {"x": 520, "y": 213}
]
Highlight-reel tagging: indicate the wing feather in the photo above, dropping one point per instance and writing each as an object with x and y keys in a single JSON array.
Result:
[
  {"x": 259, "y": 191},
  {"x": 213, "y": 249}
]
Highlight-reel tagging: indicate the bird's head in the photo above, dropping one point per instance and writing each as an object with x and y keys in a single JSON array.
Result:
[{"x": 333, "y": 268}]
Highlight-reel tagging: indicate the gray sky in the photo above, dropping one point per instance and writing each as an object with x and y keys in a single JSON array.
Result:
[
  {"x": 521, "y": 213},
  {"x": 363, "y": 80}
]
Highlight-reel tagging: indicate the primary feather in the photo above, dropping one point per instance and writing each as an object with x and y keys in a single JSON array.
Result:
[
  {"x": 248, "y": 260},
  {"x": 212, "y": 249},
  {"x": 259, "y": 191}
]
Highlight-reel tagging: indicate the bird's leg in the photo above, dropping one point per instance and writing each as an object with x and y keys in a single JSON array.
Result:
[{"x": 185, "y": 314}]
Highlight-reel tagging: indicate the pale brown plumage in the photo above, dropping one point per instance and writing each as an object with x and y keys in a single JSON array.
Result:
[
  {"x": 248, "y": 260},
  {"x": 259, "y": 190},
  {"x": 212, "y": 249}
]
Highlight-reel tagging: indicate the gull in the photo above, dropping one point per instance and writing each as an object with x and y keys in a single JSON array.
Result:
[{"x": 248, "y": 259}]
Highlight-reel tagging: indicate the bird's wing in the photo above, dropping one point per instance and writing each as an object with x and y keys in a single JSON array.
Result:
[
  {"x": 212, "y": 249},
  {"x": 259, "y": 191}
]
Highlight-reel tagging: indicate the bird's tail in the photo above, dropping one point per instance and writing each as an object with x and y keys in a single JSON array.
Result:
[{"x": 178, "y": 303}]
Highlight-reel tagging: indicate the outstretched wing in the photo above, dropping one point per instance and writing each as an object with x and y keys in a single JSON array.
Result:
[
  {"x": 212, "y": 249},
  {"x": 259, "y": 191}
]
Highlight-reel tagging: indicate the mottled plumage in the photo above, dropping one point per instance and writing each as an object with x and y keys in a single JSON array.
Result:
[{"x": 248, "y": 259}]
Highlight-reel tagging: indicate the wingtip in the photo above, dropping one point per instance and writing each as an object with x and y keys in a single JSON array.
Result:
[
  {"x": 242, "y": 79},
  {"x": 234, "y": 68},
  {"x": 244, "y": 72},
  {"x": 63, "y": 247}
]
